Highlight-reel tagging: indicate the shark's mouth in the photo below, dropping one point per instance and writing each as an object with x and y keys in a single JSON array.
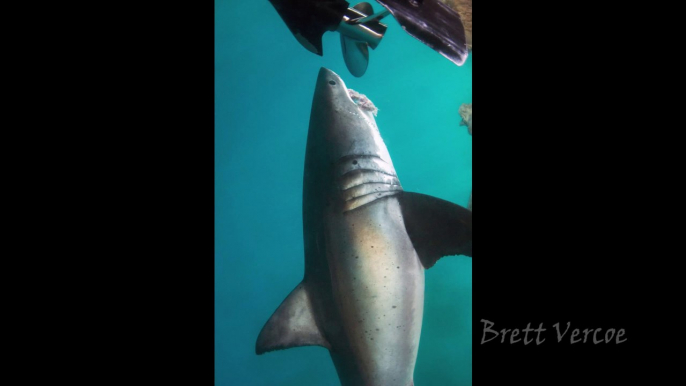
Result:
[
  {"x": 362, "y": 101},
  {"x": 364, "y": 179}
]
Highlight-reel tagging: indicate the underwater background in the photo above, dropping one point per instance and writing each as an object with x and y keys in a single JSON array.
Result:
[{"x": 264, "y": 84}]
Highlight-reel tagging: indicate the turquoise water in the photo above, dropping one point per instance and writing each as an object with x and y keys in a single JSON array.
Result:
[{"x": 264, "y": 86}]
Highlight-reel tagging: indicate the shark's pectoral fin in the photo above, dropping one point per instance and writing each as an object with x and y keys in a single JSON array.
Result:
[
  {"x": 436, "y": 227},
  {"x": 291, "y": 325}
]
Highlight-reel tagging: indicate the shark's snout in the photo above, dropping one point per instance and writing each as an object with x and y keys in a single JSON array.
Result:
[
  {"x": 325, "y": 72},
  {"x": 330, "y": 79}
]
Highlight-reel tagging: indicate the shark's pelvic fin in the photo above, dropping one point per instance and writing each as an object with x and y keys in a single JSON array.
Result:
[
  {"x": 436, "y": 227},
  {"x": 291, "y": 325}
]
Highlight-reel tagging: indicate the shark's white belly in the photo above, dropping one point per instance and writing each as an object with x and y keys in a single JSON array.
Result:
[{"x": 378, "y": 287}]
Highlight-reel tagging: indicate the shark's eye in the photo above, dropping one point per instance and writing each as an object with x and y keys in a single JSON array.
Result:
[
  {"x": 355, "y": 162},
  {"x": 331, "y": 82}
]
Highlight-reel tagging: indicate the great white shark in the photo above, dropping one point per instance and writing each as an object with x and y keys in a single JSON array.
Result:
[{"x": 367, "y": 244}]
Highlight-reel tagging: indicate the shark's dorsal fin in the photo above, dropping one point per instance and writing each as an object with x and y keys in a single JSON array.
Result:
[
  {"x": 436, "y": 227},
  {"x": 291, "y": 325}
]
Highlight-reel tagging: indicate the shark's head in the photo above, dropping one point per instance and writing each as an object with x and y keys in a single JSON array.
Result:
[
  {"x": 344, "y": 125},
  {"x": 344, "y": 147}
]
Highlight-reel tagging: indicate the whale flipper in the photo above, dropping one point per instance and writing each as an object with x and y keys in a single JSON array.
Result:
[
  {"x": 436, "y": 227},
  {"x": 291, "y": 325}
]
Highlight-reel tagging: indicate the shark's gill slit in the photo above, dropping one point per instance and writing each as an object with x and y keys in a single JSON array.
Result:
[
  {"x": 368, "y": 170},
  {"x": 372, "y": 183},
  {"x": 352, "y": 156},
  {"x": 359, "y": 177},
  {"x": 366, "y": 200},
  {"x": 367, "y": 189}
]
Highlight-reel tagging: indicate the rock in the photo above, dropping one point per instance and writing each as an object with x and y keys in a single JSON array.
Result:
[{"x": 465, "y": 112}]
